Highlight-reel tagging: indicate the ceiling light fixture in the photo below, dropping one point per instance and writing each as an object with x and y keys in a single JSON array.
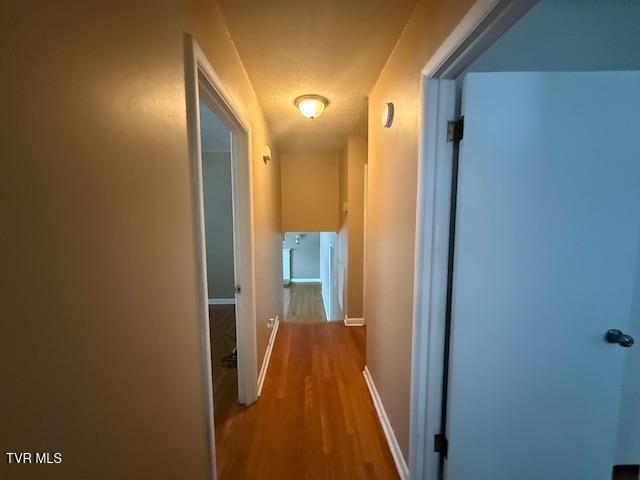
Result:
[{"x": 311, "y": 106}]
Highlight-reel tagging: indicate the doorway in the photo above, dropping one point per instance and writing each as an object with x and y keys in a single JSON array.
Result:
[
  {"x": 313, "y": 277},
  {"x": 208, "y": 101},
  {"x": 539, "y": 249},
  {"x": 221, "y": 283},
  {"x": 302, "y": 283}
]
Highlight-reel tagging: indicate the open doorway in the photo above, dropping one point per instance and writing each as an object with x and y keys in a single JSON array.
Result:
[
  {"x": 313, "y": 277},
  {"x": 218, "y": 220},
  {"x": 219, "y": 145},
  {"x": 302, "y": 292}
]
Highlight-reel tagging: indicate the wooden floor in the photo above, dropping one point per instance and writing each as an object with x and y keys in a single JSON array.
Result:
[
  {"x": 222, "y": 321},
  {"x": 315, "y": 418},
  {"x": 303, "y": 303}
]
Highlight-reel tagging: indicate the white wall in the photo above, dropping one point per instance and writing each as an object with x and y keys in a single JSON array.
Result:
[
  {"x": 628, "y": 448},
  {"x": 305, "y": 256},
  {"x": 569, "y": 35},
  {"x": 330, "y": 285},
  {"x": 218, "y": 204},
  {"x": 218, "y": 217}
]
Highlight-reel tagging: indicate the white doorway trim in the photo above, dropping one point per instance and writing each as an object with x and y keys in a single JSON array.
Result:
[
  {"x": 483, "y": 24},
  {"x": 202, "y": 82},
  {"x": 329, "y": 305},
  {"x": 364, "y": 241}
]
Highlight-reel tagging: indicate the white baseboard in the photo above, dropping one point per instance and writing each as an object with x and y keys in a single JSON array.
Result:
[
  {"x": 401, "y": 464},
  {"x": 305, "y": 280},
  {"x": 354, "y": 322},
  {"x": 222, "y": 301},
  {"x": 267, "y": 355}
]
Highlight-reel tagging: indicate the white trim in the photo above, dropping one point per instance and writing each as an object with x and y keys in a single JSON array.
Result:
[
  {"x": 482, "y": 25},
  {"x": 478, "y": 29},
  {"x": 325, "y": 304},
  {"x": 353, "y": 322},
  {"x": 364, "y": 238},
  {"x": 430, "y": 277},
  {"x": 267, "y": 355},
  {"x": 193, "y": 130},
  {"x": 394, "y": 447},
  {"x": 199, "y": 72},
  {"x": 222, "y": 301},
  {"x": 305, "y": 280},
  {"x": 480, "y": 10}
]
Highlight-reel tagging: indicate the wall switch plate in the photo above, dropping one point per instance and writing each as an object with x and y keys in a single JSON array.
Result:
[{"x": 345, "y": 207}]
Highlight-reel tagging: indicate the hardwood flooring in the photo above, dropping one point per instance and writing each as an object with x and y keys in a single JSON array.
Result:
[
  {"x": 315, "y": 418},
  {"x": 222, "y": 321},
  {"x": 303, "y": 303}
]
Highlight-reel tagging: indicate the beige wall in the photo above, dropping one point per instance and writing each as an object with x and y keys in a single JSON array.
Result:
[
  {"x": 310, "y": 192},
  {"x": 391, "y": 207},
  {"x": 351, "y": 235},
  {"x": 343, "y": 233},
  {"x": 207, "y": 25},
  {"x": 100, "y": 338}
]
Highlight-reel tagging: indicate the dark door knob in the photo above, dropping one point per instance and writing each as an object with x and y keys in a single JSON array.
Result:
[{"x": 616, "y": 336}]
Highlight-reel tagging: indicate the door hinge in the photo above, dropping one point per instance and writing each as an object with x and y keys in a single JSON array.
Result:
[
  {"x": 441, "y": 444},
  {"x": 455, "y": 130}
]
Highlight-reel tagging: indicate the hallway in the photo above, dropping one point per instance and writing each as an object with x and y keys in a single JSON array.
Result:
[
  {"x": 315, "y": 418},
  {"x": 451, "y": 188}
]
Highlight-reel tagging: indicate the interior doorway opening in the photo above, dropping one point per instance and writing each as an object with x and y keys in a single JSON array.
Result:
[
  {"x": 312, "y": 279},
  {"x": 217, "y": 191},
  {"x": 209, "y": 102}
]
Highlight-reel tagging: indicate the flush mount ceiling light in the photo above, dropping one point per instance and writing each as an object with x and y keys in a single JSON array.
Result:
[{"x": 311, "y": 106}]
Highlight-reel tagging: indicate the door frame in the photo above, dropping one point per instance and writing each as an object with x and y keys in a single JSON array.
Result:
[
  {"x": 364, "y": 242},
  {"x": 201, "y": 81},
  {"x": 332, "y": 293},
  {"x": 483, "y": 24}
]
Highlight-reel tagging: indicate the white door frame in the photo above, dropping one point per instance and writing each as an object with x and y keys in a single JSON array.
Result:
[
  {"x": 332, "y": 293},
  {"x": 483, "y": 24},
  {"x": 202, "y": 82},
  {"x": 364, "y": 241}
]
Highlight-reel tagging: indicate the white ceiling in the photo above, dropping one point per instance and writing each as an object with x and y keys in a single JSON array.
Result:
[
  {"x": 216, "y": 137},
  {"x": 334, "y": 48}
]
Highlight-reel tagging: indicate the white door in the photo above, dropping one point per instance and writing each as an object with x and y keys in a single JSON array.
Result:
[{"x": 546, "y": 261}]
